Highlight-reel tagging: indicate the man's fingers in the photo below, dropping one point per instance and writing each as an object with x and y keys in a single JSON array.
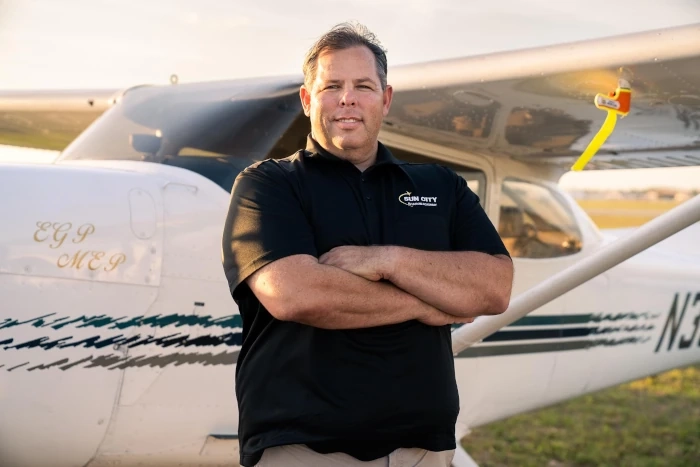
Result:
[
  {"x": 328, "y": 256},
  {"x": 325, "y": 258}
]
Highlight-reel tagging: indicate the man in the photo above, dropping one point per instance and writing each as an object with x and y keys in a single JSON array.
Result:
[{"x": 349, "y": 268}]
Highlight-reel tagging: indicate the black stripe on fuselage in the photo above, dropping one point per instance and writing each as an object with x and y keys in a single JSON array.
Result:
[
  {"x": 512, "y": 335},
  {"x": 553, "y": 320}
]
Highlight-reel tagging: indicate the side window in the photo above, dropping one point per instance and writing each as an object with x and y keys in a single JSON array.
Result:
[{"x": 535, "y": 222}]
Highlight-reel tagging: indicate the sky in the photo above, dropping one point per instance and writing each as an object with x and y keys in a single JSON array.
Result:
[{"x": 78, "y": 44}]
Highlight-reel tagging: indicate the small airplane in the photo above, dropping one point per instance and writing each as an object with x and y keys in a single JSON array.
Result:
[{"x": 118, "y": 335}]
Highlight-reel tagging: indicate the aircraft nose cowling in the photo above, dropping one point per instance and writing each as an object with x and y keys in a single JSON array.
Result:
[{"x": 78, "y": 247}]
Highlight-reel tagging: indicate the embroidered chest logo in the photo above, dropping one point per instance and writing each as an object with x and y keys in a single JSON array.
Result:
[{"x": 411, "y": 200}]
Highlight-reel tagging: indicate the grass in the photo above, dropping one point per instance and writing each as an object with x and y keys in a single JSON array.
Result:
[
  {"x": 651, "y": 422},
  {"x": 654, "y": 421}
]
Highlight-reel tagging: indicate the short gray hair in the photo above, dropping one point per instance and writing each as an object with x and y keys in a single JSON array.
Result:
[{"x": 344, "y": 36}]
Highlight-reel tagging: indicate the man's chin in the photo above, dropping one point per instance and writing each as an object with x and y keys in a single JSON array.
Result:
[{"x": 345, "y": 143}]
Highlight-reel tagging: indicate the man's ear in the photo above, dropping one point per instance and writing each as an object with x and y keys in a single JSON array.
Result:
[
  {"x": 388, "y": 95},
  {"x": 305, "y": 96}
]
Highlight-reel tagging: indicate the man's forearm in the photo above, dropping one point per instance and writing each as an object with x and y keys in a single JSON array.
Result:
[{"x": 462, "y": 283}]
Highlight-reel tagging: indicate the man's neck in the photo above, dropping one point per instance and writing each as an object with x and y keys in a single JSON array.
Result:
[
  {"x": 360, "y": 158},
  {"x": 362, "y": 166}
]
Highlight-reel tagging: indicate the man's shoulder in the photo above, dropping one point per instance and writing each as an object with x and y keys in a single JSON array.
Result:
[{"x": 275, "y": 167}]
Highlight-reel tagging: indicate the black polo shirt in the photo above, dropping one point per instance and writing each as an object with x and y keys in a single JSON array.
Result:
[{"x": 364, "y": 392}]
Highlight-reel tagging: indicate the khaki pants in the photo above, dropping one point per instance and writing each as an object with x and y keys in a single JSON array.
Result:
[{"x": 298, "y": 455}]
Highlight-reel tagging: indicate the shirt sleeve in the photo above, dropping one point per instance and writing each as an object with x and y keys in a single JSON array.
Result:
[
  {"x": 473, "y": 230},
  {"x": 265, "y": 222}
]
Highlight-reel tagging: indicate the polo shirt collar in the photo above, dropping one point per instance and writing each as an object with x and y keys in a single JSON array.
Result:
[{"x": 384, "y": 156}]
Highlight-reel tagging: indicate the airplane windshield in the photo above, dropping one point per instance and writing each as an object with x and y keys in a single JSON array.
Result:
[{"x": 205, "y": 128}]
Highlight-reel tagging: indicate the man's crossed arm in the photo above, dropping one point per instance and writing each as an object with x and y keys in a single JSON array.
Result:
[
  {"x": 299, "y": 288},
  {"x": 342, "y": 289}
]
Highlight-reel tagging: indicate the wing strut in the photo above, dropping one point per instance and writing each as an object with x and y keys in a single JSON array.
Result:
[{"x": 611, "y": 255}]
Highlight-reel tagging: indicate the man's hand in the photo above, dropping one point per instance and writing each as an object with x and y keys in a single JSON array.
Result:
[{"x": 371, "y": 262}]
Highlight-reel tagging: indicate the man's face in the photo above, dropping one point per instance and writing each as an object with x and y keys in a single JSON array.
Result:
[{"x": 346, "y": 103}]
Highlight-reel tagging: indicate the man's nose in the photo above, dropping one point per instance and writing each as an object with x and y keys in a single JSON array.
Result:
[{"x": 348, "y": 99}]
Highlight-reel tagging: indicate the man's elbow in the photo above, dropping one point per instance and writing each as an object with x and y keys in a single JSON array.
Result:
[
  {"x": 488, "y": 303},
  {"x": 500, "y": 302},
  {"x": 495, "y": 303},
  {"x": 506, "y": 291},
  {"x": 499, "y": 298},
  {"x": 284, "y": 309},
  {"x": 281, "y": 311},
  {"x": 289, "y": 309}
]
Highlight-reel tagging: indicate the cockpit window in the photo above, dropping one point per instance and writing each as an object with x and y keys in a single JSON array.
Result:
[
  {"x": 214, "y": 129},
  {"x": 535, "y": 222}
]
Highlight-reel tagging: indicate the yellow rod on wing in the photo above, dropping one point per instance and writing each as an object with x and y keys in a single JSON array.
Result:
[
  {"x": 600, "y": 137},
  {"x": 616, "y": 103}
]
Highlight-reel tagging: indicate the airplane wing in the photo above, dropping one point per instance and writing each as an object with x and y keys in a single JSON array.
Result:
[
  {"x": 49, "y": 119},
  {"x": 537, "y": 105},
  {"x": 534, "y": 105}
]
